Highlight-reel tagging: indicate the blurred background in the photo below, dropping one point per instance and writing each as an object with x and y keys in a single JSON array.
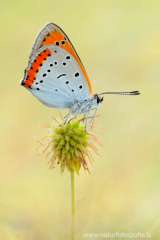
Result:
[{"x": 119, "y": 45}]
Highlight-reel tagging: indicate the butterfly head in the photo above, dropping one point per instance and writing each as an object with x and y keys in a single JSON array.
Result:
[{"x": 98, "y": 100}]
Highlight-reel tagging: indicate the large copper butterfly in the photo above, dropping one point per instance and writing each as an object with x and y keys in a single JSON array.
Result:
[{"x": 56, "y": 76}]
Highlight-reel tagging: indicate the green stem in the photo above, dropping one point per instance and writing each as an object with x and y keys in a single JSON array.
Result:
[{"x": 72, "y": 205}]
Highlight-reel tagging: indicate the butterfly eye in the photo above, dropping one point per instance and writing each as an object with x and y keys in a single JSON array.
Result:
[{"x": 98, "y": 99}]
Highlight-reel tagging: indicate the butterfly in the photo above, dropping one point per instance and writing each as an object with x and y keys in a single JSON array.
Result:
[{"x": 56, "y": 76}]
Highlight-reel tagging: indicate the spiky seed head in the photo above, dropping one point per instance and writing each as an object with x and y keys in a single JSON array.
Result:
[{"x": 68, "y": 145}]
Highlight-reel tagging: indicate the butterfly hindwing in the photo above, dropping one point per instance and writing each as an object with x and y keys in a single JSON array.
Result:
[{"x": 55, "y": 78}]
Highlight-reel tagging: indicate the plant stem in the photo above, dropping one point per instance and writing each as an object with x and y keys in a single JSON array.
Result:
[{"x": 72, "y": 205}]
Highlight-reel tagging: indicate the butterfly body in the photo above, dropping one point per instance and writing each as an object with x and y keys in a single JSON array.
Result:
[{"x": 86, "y": 106}]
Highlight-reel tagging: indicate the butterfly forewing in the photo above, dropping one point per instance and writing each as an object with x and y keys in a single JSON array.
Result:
[{"x": 52, "y": 34}]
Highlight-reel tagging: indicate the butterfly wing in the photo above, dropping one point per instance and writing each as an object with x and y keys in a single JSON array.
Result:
[
  {"x": 54, "y": 77},
  {"x": 52, "y": 34}
]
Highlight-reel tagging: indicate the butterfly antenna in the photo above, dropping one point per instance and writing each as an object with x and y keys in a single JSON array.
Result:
[{"x": 122, "y": 93}]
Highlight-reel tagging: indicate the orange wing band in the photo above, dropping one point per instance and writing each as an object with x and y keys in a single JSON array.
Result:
[{"x": 31, "y": 73}]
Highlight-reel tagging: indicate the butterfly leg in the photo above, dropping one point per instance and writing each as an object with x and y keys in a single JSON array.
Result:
[
  {"x": 84, "y": 116},
  {"x": 93, "y": 115},
  {"x": 86, "y": 120},
  {"x": 67, "y": 116},
  {"x": 92, "y": 120}
]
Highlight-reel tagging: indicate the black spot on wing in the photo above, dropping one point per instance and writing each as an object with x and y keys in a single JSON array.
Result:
[
  {"x": 62, "y": 42},
  {"x": 76, "y": 74},
  {"x": 61, "y": 75}
]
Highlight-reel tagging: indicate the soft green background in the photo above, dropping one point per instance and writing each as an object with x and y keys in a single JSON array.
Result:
[{"x": 118, "y": 42}]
